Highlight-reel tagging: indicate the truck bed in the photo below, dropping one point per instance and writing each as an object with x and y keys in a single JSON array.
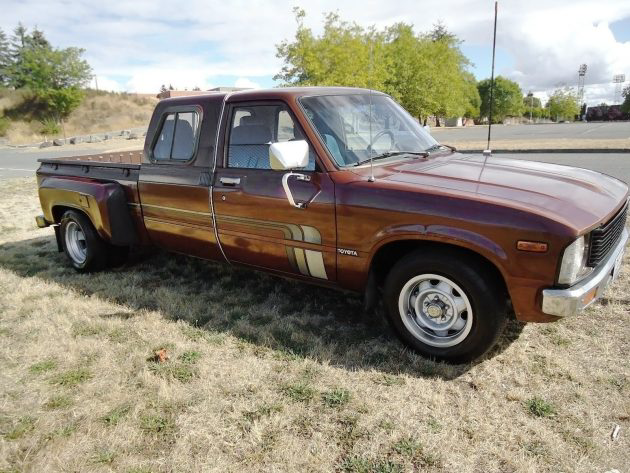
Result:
[{"x": 103, "y": 159}]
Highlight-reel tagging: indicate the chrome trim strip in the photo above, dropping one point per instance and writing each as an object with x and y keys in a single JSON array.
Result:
[
  {"x": 214, "y": 169},
  {"x": 567, "y": 302}
]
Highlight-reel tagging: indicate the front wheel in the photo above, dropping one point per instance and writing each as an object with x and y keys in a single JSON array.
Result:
[{"x": 445, "y": 305}]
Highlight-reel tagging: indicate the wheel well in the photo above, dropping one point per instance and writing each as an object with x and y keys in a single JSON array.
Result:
[
  {"x": 58, "y": 211},
  {"x": 389, "y": 254}
]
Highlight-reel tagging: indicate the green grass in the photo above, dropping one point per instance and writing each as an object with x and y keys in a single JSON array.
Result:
[
  {"x": 336, "y": 397},
  {"x": 299, "y": 392},
  {"x": 72, "y": 377},
  {"x": 190, "y": 357},
  {"x": 182, "y": 372},
  {"x": 58, "y": 402},
  {"x": 359, "y": 464},
  {"x": 104, "y": 457},
  {"x": 43, "y": 366},
  {"x": 157, "y": 424},
  {"x": 117, "y": 414},
  {"x": 23, "y": 426},
  {"x": 538, "y": 407},
  {"x": 408, "y": 446}
]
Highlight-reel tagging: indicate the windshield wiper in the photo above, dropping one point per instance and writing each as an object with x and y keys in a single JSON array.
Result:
[
  {"x": 389, "y": 154},
  {"x": 438, "y": 146}
]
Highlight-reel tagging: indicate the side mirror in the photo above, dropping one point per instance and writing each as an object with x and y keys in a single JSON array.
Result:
[{"x": 287, "y": 155}]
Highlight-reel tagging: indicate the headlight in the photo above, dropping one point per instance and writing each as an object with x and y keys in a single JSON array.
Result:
[{"x": 573, "y": 266}]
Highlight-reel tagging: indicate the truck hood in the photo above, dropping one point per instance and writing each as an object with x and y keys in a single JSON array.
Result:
[{"x": 578, "y": 198}]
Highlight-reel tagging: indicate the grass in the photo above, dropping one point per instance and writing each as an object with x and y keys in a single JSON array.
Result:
[
  {"x": 99, "y": 112},
  {"x": 71, "y": 377},
  {"x": 272, "y": 375},
  {"x": 540, "y": 408},
  {"x": 336, "y": 397}
]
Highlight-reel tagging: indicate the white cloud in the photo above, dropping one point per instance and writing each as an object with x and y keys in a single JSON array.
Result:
[
  {"x": 246, "y": 83},
  {"x": 143, "y": 44}
]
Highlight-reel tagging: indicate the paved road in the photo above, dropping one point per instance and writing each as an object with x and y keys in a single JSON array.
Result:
[
  {"x": 551, "y": 131},
  {"x": 23, "y": 162}
]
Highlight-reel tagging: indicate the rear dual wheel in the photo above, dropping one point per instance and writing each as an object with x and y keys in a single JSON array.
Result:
[
  {"x": 84, "y": 248},
  {"x": 445, "y": 305}
]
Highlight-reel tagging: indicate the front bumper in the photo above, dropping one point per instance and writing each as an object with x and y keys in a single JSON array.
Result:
[{"x": 572, "y": 300}]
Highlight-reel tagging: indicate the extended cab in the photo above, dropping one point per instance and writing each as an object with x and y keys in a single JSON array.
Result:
[{"x": 342, "y": 187}]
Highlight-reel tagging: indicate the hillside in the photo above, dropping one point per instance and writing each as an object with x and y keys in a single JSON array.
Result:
[{"x": 99, "y": 111}]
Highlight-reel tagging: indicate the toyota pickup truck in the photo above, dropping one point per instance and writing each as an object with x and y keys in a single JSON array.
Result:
[{"x": 341, "y": 187}]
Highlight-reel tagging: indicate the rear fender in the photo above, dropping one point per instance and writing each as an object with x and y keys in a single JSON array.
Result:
[{"x": 104, "y": 203}]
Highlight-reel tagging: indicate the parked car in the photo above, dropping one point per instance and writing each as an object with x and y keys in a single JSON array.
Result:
[{"x": 341, "y": 187}]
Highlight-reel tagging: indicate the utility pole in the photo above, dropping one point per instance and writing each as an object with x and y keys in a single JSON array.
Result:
[
  {"x": 96, "y": 82},
  {"x": 531, "y": 105}
]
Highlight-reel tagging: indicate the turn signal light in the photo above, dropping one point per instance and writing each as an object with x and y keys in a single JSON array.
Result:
[{"x": 532, "y": 246}]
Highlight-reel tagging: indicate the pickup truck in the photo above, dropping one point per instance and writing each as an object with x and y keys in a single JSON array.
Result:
[{"x": 341, "y": 187}]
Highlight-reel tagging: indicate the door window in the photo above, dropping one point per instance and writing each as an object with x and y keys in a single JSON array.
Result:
[{"x": 254, "y": 128}]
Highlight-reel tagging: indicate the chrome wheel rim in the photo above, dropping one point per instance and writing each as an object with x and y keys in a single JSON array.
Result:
[
  {"x": 435, "y": 310},
  {"x": 75, "y": 242}
]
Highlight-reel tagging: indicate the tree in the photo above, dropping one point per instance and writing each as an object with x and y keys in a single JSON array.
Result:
[
  {"x": 563, "y": 105},
  {"x": 507, "y": 99},
  {"x": 55, "y": 77},
  {"x": 5, "y": 59},
  {"x": 532, "y": 105},
  {"x": 473, "y": 100},
  {"x": 625, "y": 106},
  {"x": 424, "y": 72}
]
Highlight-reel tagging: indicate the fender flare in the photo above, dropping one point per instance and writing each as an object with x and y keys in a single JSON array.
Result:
[
  {"x": 456, "y": 237},
  {"x": 105, "y": 204}
]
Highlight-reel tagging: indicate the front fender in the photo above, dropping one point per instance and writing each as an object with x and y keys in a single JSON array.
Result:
[
  {"x": 104, "y": 203},
  {"x": 460, "y": 237}
]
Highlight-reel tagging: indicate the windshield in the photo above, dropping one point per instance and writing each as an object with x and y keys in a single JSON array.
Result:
[{"x": 353, "y": 131}]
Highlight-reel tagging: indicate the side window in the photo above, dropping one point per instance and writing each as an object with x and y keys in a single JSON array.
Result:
[
  {"x": 176, "y": 140},
  {"x": 252, "y": 131}
]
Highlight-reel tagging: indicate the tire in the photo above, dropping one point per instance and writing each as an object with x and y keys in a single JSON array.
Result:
[
  {"x": 445, "y": 304},
  {"x": 85, "y": 250}
]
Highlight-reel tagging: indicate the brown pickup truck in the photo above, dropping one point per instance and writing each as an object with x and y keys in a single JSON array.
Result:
[{"x": 342, "y": 187}]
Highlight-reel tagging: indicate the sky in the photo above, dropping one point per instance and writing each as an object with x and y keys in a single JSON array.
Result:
[{"x": 137, "y": 46}]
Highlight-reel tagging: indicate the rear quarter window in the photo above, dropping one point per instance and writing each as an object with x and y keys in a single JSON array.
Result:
[{"x": 177, "y": 137}]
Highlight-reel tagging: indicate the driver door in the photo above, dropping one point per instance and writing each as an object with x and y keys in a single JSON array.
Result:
[{"x": 257, "y": 225}]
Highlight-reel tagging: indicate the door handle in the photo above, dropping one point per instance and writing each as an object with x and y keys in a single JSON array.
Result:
[{"x": 230, "y": 181}]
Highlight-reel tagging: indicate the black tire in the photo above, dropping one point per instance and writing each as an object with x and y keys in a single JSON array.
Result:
[
  {"x": 95, "y": 249},
  {"x": 483, "y": 291}
]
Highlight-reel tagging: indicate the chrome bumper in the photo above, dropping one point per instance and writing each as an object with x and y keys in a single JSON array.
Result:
[{"x": 572, "y": 300}]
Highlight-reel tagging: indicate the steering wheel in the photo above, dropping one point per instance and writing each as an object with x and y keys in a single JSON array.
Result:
[{"x": 379, "y": 135}]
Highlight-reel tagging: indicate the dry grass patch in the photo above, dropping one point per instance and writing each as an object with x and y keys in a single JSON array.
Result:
[{"x": 265, "y": 374}]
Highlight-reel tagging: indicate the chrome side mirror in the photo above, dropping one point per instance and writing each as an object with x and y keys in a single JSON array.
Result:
[{"x": 287, "y": 155}]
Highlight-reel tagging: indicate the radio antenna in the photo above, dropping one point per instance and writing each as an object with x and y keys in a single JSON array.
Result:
[
  {"x": 494, "y": 44},
  {"x": 371, "y": 178}
]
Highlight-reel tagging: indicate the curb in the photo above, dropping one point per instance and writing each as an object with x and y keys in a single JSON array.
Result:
[{"x": 550, "y": 151}]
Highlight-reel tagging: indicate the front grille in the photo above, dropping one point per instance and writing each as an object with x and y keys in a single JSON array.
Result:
[{"x": 604, "y": 238}]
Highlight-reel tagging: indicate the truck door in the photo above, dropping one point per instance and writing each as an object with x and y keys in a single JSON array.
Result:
[
  {"x": 256, "y": 224},
  {"x": 174, "y": 185}
]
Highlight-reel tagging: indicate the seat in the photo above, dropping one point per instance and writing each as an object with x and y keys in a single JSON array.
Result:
[
  {"x": 249, "y": 145},
  {"x": 183, "y": 143}
]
